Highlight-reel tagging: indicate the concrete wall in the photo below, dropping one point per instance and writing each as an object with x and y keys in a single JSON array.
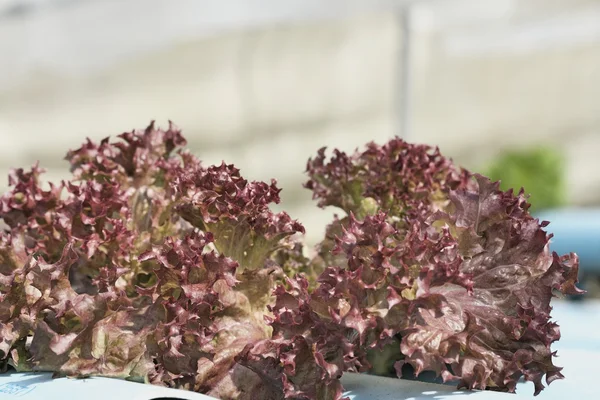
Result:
[
  {"x": 523, "y": 74},
  {"x": 484, "y": 75}
]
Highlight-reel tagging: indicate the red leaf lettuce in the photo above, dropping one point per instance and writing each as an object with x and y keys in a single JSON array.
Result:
[{"x": 151, "y": 267}]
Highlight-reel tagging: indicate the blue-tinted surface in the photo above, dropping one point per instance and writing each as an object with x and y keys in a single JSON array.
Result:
[{"x": 575, "y": 230}]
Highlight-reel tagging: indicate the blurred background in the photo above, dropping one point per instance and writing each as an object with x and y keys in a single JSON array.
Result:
[{"x": 510, "y": 88}]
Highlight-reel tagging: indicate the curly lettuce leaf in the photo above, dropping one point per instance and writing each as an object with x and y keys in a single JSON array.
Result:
[
  {"x": 151, "y": 267},
  {"x": 144, "y": 266},
  {"x": 457, "y": 280}
]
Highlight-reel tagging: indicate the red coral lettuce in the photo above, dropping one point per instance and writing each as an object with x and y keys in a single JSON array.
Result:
[
  {"x": 452, "y": 273},
  {"x": 149, "y": 266},
  {"x": 108, "y": 274}
]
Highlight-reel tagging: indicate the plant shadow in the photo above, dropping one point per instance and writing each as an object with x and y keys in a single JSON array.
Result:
[
  {"x": 369, "y": 387},
  {"x": 424, "y": 387}
]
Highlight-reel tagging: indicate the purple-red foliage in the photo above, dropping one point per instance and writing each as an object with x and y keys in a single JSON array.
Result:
[{"x": 149, "y": 266}]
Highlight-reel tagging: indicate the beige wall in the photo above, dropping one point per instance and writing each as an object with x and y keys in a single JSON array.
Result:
[
  {"x": 265, "y": 100},
  {"x": 526, "y": 76},
  {"x": 482, "y": 78}
]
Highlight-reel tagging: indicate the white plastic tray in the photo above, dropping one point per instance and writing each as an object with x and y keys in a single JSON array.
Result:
[{"x": 359, "y": 387}]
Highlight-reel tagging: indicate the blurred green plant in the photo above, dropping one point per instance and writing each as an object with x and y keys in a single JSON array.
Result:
[{"x": 540, "y": 171}]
